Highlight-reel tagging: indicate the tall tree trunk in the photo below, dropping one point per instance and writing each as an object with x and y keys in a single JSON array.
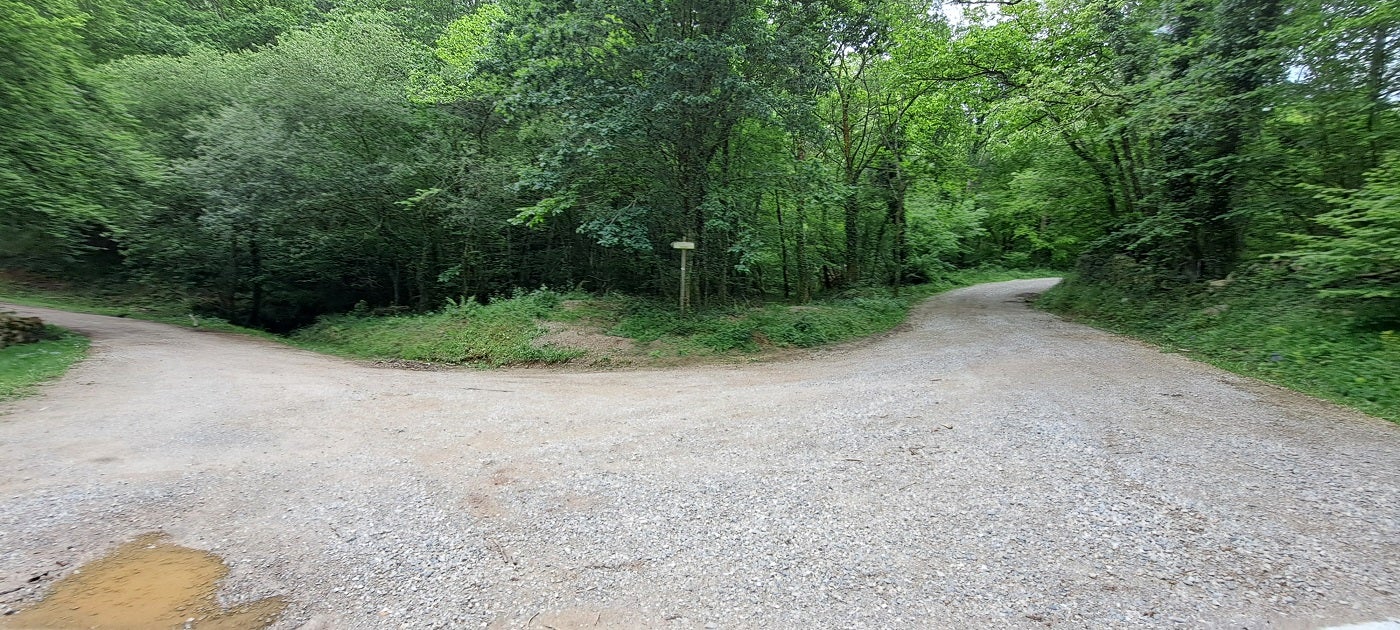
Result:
[
  {"x": 1375, "y": 83},
  {"x": 1110, "y": 199},
  {"x": 1124, "y": 178},
  {"x": 899, "y": 218},
  {"x": 804, "y": 280},
  {"x": 782, "y": 243},
  {"x": 255, "y": 264},
  {"x": 852, "y": 221},
  {"x": 394, "y": 282},
  {"x": 851, "y": 204},
  {"x": 1133, "y": 164},
  {"x": 229, "y": 296}
]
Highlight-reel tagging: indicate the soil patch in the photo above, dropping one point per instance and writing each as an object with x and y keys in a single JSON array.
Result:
[
  {"x": 147, "y": 583},
  {"x": 597, "y": 346}
]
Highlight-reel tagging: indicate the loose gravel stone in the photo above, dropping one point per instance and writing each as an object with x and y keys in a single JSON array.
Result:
[{"x": 984, "y": 466}]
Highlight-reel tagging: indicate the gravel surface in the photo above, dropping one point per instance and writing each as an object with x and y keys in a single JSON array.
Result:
[{"x": 985, "y": 466}]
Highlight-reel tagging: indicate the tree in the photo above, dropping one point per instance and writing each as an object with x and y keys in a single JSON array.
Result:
[
  {"x": 69, "y": 166},
  {"x": 296, "y": 183},
  {"x": 1360, "y": 257},
  {"x": 648, "y": 98}
]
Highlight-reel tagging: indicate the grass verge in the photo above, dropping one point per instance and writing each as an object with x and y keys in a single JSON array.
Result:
[
  {"x": 466, "y": 332},
  {"x": 23, "y": 367},
  {"x": 1263, "y": 326},
  {"x": 122, "y": 302},
  {"x": 662, "y": 332},
  {"x": 508, "y": 331}
]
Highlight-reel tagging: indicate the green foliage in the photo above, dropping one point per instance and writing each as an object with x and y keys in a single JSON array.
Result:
[
  {"x": 650, "y": 99},
  {"x": 1264, "y": 324},
  {"x": 865, "y": 312},
  {"x": 69, "y": 169},
  {"x": 120, "y": 28},
  {"x": 23, "y": 367},
  {"x": 506, "y": 330},
  {"x": 420, "y": 20},
  {"x": 1360, "y": 257},
  {"x": 751, "y": 329},
  {"x": 296, "y": 172},
  {"x": 499, "y": 333},
  {"x": 464, "y": 44},
  {"x": 268, "y": 162}
]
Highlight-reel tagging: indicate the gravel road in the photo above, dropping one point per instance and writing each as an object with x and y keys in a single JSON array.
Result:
[{"x": 985, "y": 466}]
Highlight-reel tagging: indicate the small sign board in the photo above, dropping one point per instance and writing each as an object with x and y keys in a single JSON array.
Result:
[{"x": 682, "y": 245}]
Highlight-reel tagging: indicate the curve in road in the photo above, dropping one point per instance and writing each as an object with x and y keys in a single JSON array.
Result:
[{"x": 985, "y": 466}]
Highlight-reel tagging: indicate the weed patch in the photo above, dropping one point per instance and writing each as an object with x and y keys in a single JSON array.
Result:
[
  {"x": 856, "y": 313},
  {"x": 24, "y": 366},
  {"x": 465, "y": 332},
  {"x": 507, "y": 331}
]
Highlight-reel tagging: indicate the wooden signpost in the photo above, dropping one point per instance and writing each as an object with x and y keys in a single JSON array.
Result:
[{"x": 685, "y": 247}]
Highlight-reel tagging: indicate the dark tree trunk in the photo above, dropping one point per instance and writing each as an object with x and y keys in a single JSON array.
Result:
[{"x": 782, "y": 244}]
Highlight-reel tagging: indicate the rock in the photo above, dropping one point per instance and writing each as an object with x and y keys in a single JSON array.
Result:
[
  {"x": 1215, "y": 311},
  {"x": 317, "y": 622}
]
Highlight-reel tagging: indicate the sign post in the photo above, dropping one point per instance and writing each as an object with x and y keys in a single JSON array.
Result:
[{"x": 685, "y": 247}]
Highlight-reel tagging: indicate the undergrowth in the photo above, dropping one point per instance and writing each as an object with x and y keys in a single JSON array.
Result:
[
  {"x": 748, "y": 329},
  {"x": 1264, "y": 324},
  {"x": 24, "y": 366},
  {"x": 506, "y": 330},
  {"x": 465, "y": 332}
]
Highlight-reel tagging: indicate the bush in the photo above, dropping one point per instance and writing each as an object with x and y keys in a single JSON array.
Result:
[
  {"x": 464, "y": 332},
  {"x": 1360, "y": 258}
]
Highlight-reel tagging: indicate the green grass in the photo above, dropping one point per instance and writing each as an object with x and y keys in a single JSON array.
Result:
[
  {"x": 467, "y": 333},
  {"x": 1262, "y": 326},
  {"x": 751, "y": 329},
  {"x": 23, "y": 367},
  {"x": 505, "y": 332}
]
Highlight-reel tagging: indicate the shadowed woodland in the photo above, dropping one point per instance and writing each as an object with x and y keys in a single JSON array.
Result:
[{"x": 271, "y": 161}]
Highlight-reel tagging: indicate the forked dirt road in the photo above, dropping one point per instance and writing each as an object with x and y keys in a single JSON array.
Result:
[{"x": 987, "y": 466}]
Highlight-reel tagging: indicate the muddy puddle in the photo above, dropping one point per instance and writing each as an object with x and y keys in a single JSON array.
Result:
[{"x": 147, "y": 583}]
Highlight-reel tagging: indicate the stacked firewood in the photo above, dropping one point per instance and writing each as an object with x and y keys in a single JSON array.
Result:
[{"x": 15, "y": 330}]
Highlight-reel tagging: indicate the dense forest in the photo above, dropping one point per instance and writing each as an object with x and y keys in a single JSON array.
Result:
[{"x": 281, "y": 159}]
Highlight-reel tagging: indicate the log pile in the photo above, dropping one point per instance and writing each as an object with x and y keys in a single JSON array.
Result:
[{"x": 15, "y": 330}]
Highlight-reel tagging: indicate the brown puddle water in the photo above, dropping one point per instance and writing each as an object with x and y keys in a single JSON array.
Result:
[{"x": 149, "y": 582}]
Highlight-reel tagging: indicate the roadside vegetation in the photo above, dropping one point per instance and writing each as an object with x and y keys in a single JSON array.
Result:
[
  {"x": 513, "y": 330},
  {"x": 115, "y": 300},
  {"x": 1264, "y": 324},
  {"x": 340, "y": 170},
  {"x": 510, "y": 331},
  {"x": 465, "y": 332},
  {"x": 24, "y": 366},
  {"x": 746, "y": 329}
]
